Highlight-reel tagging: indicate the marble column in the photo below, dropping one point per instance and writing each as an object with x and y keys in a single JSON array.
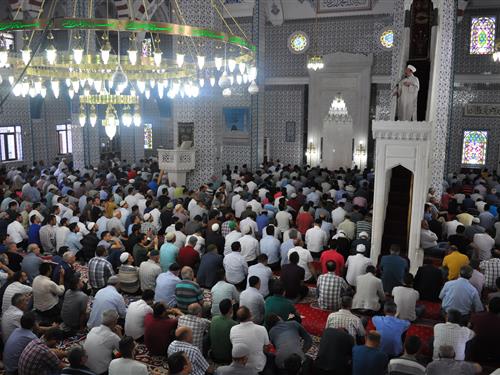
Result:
[
  {"x": 204, "y": 111},
  {"x": 441, "y": 95},
  {"x": 257, "y": 106}
]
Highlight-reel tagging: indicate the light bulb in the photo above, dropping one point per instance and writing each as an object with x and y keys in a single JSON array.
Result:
[
  {"x": 71, "y": 92},
  {"x": 75, "y": 85},
  {"x": 179, "y": 59},
  {"x": 157, "y": 57},
  {"x": 38, "y": 86},
  {"x": 239, "y": 79},
  {"x": 78, "y": 55},
  {"x": 245, "y": 78},
  {"x": 106, "y": 52},
  {"x": 17, "y": 90},
  {"x": 137, "y": 116},
  {"x": 152, "y": 83},
  {"x": 54, "y": 85},
  {"x": 218, "y": 63},
  {"x": 26, "y": 55},
  {"x": 82, "y": 119},
  {"x": 201, "y": 61},
  {"x": 26, "y": 87},
  {"x": 32, "y": 92},
  {"x": 253, "y": 88},
  {"x": 119, "y": 80},
  {"x": 82, "y": 82},
  {"x": 110, "y": 129},
  {"x": 195, "y": 91},
  {"x": 241, "y": 67},
  {"x": 231, "y": 64},
  {"x": 212, "y": 81},
  {"x": 110, "y": 116},
  {"x": 4, "y": 56},
  {"x": 252, "y": 74},
  {"x": 67, "y": 81},
  {"x": 226, "y": 92},
  {"x": 11, "y": 80},
  {"x": 51, "y": 54},
  {"x": 1, "y": 79},
  {"x": 231, "y": 80},
  {"x": 202, "y": 82},
  {"x": 93, "y": 116},
  {"x": 43, "y": 92},
  {"x": 160, "y": 90},
  {"x": 86, "y": 90},
  {"x": 141, "y": 85},
  {"x": 224, "y": 80},
  {"x": 132, "y": 56},
  {"x": 126, "y": 117},
  {"x": 147, "y": 93}
]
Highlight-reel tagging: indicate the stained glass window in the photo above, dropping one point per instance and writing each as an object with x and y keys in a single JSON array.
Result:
[
  {"x": 482, "y": 35},
  {"x": 298, "y": 42},
  {"x": 474, "y": 147},
  {"x": 387, "y": 38},
  {"x": 148, "y": 136}
]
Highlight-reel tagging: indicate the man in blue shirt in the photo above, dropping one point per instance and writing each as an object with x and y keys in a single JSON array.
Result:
[
  {"x": 391, "y": 329},
  {"x": 34, "y": 230},
  {"x": 287, "y": 245},
  {"x": 107, "y": 298},
  {"x": 460, "y": 294},
  {"x": 165, "y": 285},
  {"x": 32, "y": 261},
  {"x": 368, "y": 358},
  {"x": 17, "y": 341},
  {"x": 393, "y": 269},
  {"x": 168, "y": 252},
  {"x": 73, "y": 238}
]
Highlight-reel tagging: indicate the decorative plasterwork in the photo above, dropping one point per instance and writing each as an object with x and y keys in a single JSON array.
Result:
[{"x": 402, "y": 130}]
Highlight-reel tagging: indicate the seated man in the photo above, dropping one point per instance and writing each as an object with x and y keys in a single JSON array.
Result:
[
  {"x": 184, "y": 343},
  {"x": 368, "y": 358},
  {"x": 292, "y": 277},
  {"x": 446, "y": 364},
  {"x": 452, "y": 334},
  {"x": 46, "y": 293},
  {"x": 136, "y": 312},
  {"x": 187, "y": 291},
  {"x": 486, "y": 326},
  {"x": 279, "y": 305},
  {"x": 391, "y": 329},
  {"x": 346, "y": 320},
  {"x": 107, "y": 299},
  {"x": 17, "y": 341},
  {"x": 159, "y": 328},
  {"x": 253, "y": 299},
  {"x": 199, "y": 326},
  {"x": 239, "y": 354},
  {"x": 102, "y": 341},
  {"x": 74, "y": 308},
  {"x": 76, "y": 358},
  {"x": 406, "y": 299},
  {"x": 126, "y": 364},
  {"x": 407, "y": 364}
]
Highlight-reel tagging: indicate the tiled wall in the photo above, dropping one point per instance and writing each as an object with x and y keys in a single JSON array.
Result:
[
  {"x": 282, "y": 104},
  {"x": 346, "y": 34}
]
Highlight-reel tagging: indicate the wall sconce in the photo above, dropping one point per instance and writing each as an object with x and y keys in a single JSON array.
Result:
[
  {"x": 360, "y": 154},
  {"x": 311, "y": 151}
]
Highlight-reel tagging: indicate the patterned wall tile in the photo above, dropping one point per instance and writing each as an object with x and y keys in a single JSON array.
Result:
[{"x": 282, "y": 104}]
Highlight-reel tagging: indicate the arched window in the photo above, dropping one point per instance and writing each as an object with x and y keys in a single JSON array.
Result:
[
  {"x": 474, "y": 147},
  {"x": 482, "y": 35}
]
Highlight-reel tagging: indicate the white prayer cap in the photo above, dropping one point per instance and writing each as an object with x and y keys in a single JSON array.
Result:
[
  {"x": 412, "y": 68},
  {"x": 215, "y": 227},
  {"x": 124, "y": 257},
  {"x": 363, "y": 235},
  {"x": 147, "y": 216},
  {"x": 476, "y": 220},
  {"x": 360, "y": 248},
  {"x": 90, "y": 225}
]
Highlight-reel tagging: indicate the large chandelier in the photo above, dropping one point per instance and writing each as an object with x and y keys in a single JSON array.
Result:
[
  {"x": 315, "y": 60},
  {"x": 118, "y": 79},
  {"x": 338, "y": 110}
]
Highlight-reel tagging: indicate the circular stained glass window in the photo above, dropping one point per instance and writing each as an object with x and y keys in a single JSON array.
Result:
[
  {"x": 387, "y": 38},
  {"x": 298, "y": 42}
]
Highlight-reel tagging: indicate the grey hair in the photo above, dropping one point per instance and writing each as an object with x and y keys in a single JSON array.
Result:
[
  {"x": 31, "y": 246},
  {"x": 293, "y": 234},
  {"x": 446, "y": 351},
  {"x": 187, "y": 273},
  {"x": 109, "y": 317},
  {"x": 194, "y": 309},
  {"x": 193, "y": 240},
  {"x": 67, "y": 255}
]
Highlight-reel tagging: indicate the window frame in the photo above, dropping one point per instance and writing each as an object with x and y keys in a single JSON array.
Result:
[
  {"x": 470, "y": 165},
  {"x": 6, "y": 132},
  {"x": 66, "y": 130}
]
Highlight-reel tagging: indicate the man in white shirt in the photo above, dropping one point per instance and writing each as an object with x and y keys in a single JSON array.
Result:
[
  {"x": 239, "y": 206},
  {"x": 231, "y": 237},
  {"x": 283, "y": 220},
  {"x": 338, "y": 215},
  {"x": 17, "y": 232},
  {"x": 136, "y": 312},
  {"x": 305, "y": 260},
  {"x": 236, "y": 266},
  {"x": 11, "y": 317},
  {"x": 46, "y": 293},
  {"x": 102, "y": 341},
  {"x": 405, "y": 298},
  {"x": 483, "y": 244},
  {"x": 270, "y": 246},
  {"x": 249, "y": 247},
  {"x": 452, "y": 334},
  {"x": 126, "y": 365},
  {"x": 369, "y": 291},
  {"x": 263, "y": 272},
  {"x": 356, "y": 264},
  {"x": 316, "y": 238},
  {"x": 450, "y": 228},
  {"x": 252, "y": 335},
  {"x": 253, "y": 299}
]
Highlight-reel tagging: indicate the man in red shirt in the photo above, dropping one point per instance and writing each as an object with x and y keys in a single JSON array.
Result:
[
  {"x": 334, "y": 256},
  {"x": 188, "y": 256},
  {"x": 159, "y": 328},
  {"x": 304, "y": 219}
]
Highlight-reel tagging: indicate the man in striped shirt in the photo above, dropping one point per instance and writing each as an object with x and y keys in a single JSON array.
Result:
[{"x": 187, "y": 291}]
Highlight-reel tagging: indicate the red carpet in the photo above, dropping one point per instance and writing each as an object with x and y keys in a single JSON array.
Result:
[{"x": 313, "y": 320}]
